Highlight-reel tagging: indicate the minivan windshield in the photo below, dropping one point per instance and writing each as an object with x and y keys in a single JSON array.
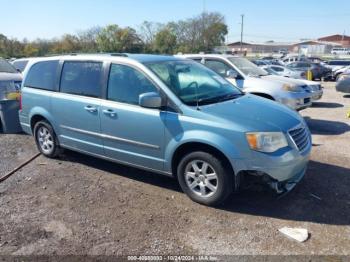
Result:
[
  {"x": 193, "y": 83},
  {"x": 247, "y": 67},
  {"x": 6, "y": 67}
]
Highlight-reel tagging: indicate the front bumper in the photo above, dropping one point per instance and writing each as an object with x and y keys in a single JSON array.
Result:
[
  {"x": 281, "y": 170},
  {"x": 297, "y": 104}
]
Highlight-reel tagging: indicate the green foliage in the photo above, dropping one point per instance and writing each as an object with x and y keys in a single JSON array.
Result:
[
  {"x": 200, "y": 33},
  {"x": 115, "y": 39},
  {"x": 165, "y": 42}
]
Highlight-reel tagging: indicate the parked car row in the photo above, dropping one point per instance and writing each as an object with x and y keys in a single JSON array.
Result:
[
  {"x": 296, "y": 67},
  {"x": 296, "y": 94}
]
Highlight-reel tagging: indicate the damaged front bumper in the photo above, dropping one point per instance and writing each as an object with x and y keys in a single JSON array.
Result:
[{"x": 283, "y": 187}]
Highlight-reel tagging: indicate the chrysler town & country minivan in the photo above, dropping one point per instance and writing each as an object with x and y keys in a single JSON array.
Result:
[{"x": 164, "y": 114}]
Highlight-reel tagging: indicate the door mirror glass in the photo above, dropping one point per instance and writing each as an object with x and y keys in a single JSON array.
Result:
[
  {"x": 150, "y": 100},
  {"x": 231, "y": 74}
]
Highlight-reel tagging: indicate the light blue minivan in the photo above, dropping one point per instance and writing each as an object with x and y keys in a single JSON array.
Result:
[{"x": 164, "y": 114}]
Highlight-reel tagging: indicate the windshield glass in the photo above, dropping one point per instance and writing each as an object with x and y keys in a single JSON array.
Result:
[
  {"x": 6, "y": 67},
  {"x": 247, "y": 67},
  {"x": 191, "y": 82}
]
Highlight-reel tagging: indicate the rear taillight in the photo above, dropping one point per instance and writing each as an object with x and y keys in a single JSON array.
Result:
[{"x": 20, "y": 102}]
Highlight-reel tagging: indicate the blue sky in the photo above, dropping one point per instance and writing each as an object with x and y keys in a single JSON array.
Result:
[{"x": 279, "y": 20}]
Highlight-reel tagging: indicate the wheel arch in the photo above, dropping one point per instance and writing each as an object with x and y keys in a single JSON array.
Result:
[
  {"x": 39, "y": 114},
  {"x": 194, "y": 146}
]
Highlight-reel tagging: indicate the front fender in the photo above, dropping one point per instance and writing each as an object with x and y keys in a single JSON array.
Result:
[{"x": 221, "y": 143}]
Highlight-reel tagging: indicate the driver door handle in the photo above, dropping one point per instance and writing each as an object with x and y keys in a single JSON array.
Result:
[
  {"x": 91, "y": 109},
  {"x": 110, "y": 112}
]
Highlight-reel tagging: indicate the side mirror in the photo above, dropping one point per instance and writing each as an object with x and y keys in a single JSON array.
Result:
[
  {"x": 231, "y": 74},
  {"x": 150, "y": 100}
]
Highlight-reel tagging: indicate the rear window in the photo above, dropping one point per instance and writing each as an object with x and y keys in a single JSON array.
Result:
[
  {"x": 6, "y": 67},
  {"x": 42, "y": 75},
  {"x": 20, "y": 65},
  {"x": 81, "y": 78}
]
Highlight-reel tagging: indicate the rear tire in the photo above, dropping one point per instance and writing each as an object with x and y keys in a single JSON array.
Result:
[
  {"x": 205, "y": 178},
  {"x": 46, "y": 140}
]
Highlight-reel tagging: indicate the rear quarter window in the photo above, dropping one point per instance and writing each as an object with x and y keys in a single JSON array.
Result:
[
  {"x": 42, "y": 75},
  {"x": 81, "y": 78}
]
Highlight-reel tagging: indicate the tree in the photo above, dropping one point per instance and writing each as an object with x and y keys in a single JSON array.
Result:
[
  {"x": 115, "y": 39},
  {"x": 147, "y": 32},
  {"x": 88, "y": 39},
  {"x": 67, "y": 44},
  {"x": 165, "y": 42},
  {"x": 30, "y": 50}
]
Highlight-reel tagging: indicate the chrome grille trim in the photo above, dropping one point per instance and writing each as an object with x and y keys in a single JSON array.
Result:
[{"x": 300, "y": 137}]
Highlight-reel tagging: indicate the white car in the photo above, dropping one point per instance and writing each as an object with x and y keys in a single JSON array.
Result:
[
  {"x": 340, "y": 51},
  {"x": 337, "y": 64},
  {"x": 284, "y": 71},
  {"x": 341, "y": 71},
  {"x": 252, "y": 79}
]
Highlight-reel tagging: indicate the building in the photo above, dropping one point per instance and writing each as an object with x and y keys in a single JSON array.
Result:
[
  {"x": 268, "y": 47},
  {"x": 320, "y": 46},
  {"x": 313, "y": 47},
  {"x": 342, "y": 40}
]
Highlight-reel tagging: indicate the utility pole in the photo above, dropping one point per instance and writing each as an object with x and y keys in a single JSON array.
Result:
[
  {"x": 204, "y": 6},
  {"x": 242, "y": 26}
]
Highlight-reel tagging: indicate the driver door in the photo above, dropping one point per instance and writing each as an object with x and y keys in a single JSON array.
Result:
[{"x": 132, "y": 134}]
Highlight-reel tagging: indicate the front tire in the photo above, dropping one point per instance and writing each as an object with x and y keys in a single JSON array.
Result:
[
  {"x": 205, "y": 178},
  {"x": 46, "y": 139}
]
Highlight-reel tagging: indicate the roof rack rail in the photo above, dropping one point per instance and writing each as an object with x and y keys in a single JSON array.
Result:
[{"x": 119, "y": 54}]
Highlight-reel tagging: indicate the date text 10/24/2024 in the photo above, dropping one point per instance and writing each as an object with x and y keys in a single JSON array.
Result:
[{"x": 172, "y": 258}]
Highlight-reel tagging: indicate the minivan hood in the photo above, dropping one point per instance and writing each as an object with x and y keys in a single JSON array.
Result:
[
  {"x": 253, "y": 113},
  {"x": 10, "y": 76}
]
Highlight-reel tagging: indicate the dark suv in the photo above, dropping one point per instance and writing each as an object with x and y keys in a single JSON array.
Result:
[{"x": 318, "y": 71}]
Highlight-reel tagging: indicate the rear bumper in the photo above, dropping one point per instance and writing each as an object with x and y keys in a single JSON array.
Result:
[{"x": 25, "y": 124}]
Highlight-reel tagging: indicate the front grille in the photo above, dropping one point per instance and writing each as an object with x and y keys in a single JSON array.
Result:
[{"x": 300, "y": 137}]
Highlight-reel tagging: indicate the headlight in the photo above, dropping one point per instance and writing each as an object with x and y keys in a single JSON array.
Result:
[
  {"x": 291, "y": 88},
  {"x": 267, "y": 142}
]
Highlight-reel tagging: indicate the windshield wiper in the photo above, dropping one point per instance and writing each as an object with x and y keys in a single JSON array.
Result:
[{"x": 219, "y": 99}]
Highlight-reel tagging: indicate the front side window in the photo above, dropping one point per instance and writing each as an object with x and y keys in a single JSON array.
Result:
[
  {"x": 219, "y": 67},
  {"x": 81, "y": 78},
  {"x": 193, "y": 83},
  {"x": 126, "y": 84},
  {"x": 42, "y": 75}
]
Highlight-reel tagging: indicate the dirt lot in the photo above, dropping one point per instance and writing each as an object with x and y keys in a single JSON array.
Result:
[{"x": 80, "y": 205}]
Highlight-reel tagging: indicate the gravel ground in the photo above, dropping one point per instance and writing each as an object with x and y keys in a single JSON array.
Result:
[{"x": 79, "y": 205}]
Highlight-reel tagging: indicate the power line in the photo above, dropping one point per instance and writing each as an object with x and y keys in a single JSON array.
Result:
[{"x": 242, "y": 25}]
